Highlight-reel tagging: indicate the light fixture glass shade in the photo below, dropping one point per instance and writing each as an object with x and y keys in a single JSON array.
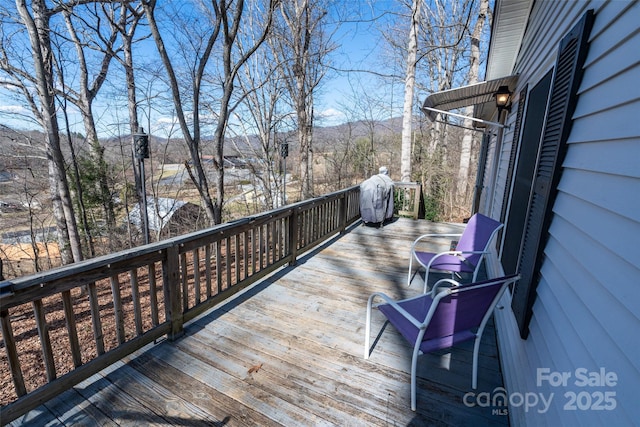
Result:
[{"x": 502, "y": 96}]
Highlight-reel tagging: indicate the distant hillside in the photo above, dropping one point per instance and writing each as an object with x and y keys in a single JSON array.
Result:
[
  {"x": 355, "y": 130},
  {"x": 30, "y": 143},
  {"x": 324, "y": 136}
]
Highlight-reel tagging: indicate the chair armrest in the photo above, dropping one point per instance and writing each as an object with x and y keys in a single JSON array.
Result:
[
  {"x": 470, "y": 252},
  {"x": 399, "y": 309},
  {"x": 458, "y": 254},
  {"x": 449, "y": 283}
]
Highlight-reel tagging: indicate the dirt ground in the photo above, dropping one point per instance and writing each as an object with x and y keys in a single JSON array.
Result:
[{"x": 18, "y": 259}]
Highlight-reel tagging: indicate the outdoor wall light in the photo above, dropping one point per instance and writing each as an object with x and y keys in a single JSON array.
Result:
[
  {"x": 502, "y": 97},
  {"x": 141, "y": 144}
]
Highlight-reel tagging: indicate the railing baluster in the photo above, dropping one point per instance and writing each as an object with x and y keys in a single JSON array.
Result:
[
  {"x": 153, "y": 294},
  {"x": 227, "y": 250},
  {"x": 45, "y": 340},
  {"x": 171, "y": 278},
  {"x": 254, "y": 257},
  {"x": 236, "y": 256},
  {"x": 207, "y": 257},
  {"x": 117, "y": 308},
  {"x": 278, "y": 239},
  {"x": 196, "y": 274},
  {"x": 135, "y": 296},
  {"x": 245, "y": 253},
  {"x": 12, "y": 354},
  {"x": 259, "y": 247},
  {"x": 218, "y": 267},
  {"x": 185, "y": 282},
  {"x": 72, "y": 330},
  {"x": 270, "y": 243},
  {"x": 96, "y": 322}
]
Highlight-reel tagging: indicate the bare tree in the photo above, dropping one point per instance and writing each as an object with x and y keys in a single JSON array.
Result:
[
  {"x": 443, "y": 43},
  {"x": 263, "y": 113},
  {"x": 303, "y": 47},
  {"x": 126, "y": 26},
  {"x": 410, "y": 79},
  {"x": 221, "y": 31},
  {"x": 25, "y": 198},
  {"x": 191, "y": 132},
  {"x": 368, "y": 111},
  {"x": 85, "y": 29},
  {"x": 39, "y": 72},
  {"x": 462, "y": 183}
]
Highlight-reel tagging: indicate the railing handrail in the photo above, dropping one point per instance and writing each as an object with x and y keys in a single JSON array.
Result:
[{"x": 8, "y": 288}]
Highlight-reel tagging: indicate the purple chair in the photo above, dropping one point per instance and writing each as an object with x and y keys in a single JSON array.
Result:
[
  {"x": 473, "y": 245},
  {"x": 441, "y": 318}
]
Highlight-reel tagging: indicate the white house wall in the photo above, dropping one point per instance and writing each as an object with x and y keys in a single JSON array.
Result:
[
  {"x": 587, "y": 311},
  {"x": 494, "y": 205}
]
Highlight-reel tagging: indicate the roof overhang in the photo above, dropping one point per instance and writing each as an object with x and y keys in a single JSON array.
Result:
[
  {"x": 478, "y": 94},
  {"x": 510, "y": 20}
]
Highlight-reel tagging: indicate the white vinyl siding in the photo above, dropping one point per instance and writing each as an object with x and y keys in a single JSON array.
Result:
[
  {"x": 587, "y": 311},
  {"x": 503, "y": 164}
]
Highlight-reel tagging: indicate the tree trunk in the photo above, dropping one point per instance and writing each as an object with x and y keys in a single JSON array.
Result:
[
  {"x": 191, "y": 138},
  {"x": 467, "y": 139},
  {"x": 86, "y": 94},
  {"x": 39, "y": 36},
  {"x": 304, "y": 141},
  {"x": 126, "y": 25},
  {"x": 409, "y": 85},
  {"x": 132, "y": 103}
]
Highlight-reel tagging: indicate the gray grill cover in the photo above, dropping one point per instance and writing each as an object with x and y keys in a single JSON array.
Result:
[{"x": 376, "y": 199}]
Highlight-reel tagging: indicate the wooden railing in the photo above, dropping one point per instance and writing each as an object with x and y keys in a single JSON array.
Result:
[
  {"x": 73, "y": 321},
  {"x": 408, "y": 198}
]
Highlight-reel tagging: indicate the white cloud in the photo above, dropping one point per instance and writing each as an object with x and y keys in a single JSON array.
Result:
[
  {"x": 331, "y": 116},
  {"x": 13, "y": 109}
]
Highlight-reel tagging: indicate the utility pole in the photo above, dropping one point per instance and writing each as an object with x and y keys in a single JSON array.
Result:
[
  {"x": 284, "y": 153},
  {"x": 141, "y": 152}
]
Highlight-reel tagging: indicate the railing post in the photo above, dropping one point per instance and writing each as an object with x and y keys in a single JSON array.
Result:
[
  {"x": 343, "y": 211},
  {"x": 293, "y": 236},
  {"x": 173, "y": 305}
]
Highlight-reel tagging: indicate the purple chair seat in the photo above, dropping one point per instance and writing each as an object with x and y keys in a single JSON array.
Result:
[
  {"x": 410, "y": 332},
  {"x": 444, "y": 262}
]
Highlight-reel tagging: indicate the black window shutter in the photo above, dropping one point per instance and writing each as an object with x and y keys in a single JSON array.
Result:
[
  {"x": 524, "y": 173},
  {"x": 568, "y": 73},
  {"x": 522, "y": 100}
]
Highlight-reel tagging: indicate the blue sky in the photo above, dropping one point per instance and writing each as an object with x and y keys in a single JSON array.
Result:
[
  {"x": 360, "y": 48},
  {"x": 358, "y": 44}
]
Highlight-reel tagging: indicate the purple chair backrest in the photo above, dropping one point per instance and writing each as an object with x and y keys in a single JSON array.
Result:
[
  {"x": 476, "y": 236},
  {"x": 463, "y": 310}
]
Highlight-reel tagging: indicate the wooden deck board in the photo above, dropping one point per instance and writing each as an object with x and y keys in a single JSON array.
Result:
[{"x": 303, "y": 328}]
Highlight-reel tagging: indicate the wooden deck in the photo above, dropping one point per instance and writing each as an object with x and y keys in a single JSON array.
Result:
[{"x": 289, "y": 351}]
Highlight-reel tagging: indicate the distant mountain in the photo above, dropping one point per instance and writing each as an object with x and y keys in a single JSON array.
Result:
[
  {"x": 354, "y": 130},
  {"x": 326, "y": 136},
  {"x": 12, "y": 141}
]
